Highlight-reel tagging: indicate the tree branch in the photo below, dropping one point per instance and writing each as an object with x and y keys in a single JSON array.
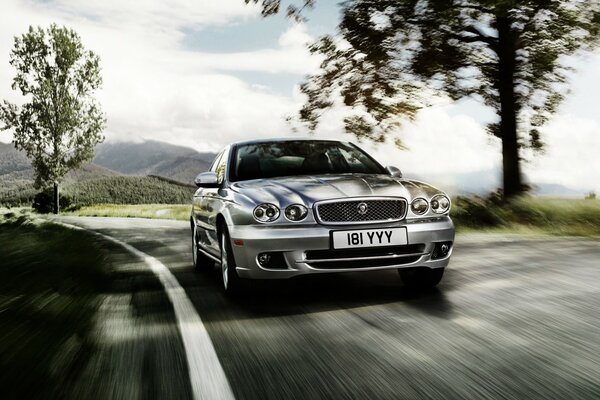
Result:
[{"x": 475, "y": 35}]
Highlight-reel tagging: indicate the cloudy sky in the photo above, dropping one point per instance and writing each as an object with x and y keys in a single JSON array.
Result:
[{"x": 203, "y": 73}]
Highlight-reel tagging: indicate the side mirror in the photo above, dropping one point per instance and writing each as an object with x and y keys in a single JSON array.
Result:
[
  {"x": 207, "y": 180},
  {"x": 394, "y": 171}
]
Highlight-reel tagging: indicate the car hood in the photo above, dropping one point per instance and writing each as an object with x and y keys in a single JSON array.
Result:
[{"x": 310, "y": 189}]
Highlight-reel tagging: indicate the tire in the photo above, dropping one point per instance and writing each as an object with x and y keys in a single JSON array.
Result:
[
  {"x": 232, "y": 284},
  {"x": 421, "y": 278},
  {"x": 200, "y": 261}
]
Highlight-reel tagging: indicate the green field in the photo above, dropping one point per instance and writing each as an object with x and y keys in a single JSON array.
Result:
[
  {"x": 577, "y": 217},
  {"x": 50, "y": 277},
  {"x": 110, "y": 190},
  {"x": 158, "y": 211}
]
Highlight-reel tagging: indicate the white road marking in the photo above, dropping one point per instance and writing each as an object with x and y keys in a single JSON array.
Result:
[{"x": 207, "y": 377}]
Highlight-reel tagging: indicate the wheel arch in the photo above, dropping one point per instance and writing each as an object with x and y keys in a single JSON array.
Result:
[{"x": 221, "y": 224}]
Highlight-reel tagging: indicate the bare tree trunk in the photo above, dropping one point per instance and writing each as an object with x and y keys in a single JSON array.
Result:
[
  {"x": 511, "y": 167},
  {"x": 56, "y": 199}
]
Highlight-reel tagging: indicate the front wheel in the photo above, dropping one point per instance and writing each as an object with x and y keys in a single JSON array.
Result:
[
  {"x": 231, "y": 281},
  {"x": 421, "y": 278}
]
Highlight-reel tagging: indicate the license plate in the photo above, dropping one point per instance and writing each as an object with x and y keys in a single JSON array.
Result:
[{"x": 369, "y": 238}]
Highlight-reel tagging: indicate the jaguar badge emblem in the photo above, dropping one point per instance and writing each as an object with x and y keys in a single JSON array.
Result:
[{"x": 362, "y": 208}]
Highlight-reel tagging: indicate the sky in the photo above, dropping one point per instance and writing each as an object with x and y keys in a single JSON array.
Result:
[{"x": 205, "y": 73}]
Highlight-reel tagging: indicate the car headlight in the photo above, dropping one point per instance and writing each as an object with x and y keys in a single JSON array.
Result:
[
  {"x": 419, "y": 206},
  {"x": 266, "y": 212},
  {"x": 296, "y": 212},
  {"x": 440, "y": 204}
]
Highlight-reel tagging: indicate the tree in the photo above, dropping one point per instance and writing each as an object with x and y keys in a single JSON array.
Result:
[
  {"x": 60, "y": 123},
  {"x": 389, "y": 55}
]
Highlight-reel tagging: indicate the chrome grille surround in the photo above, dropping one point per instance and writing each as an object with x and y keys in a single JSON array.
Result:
[{"x": 345, "y": 211}]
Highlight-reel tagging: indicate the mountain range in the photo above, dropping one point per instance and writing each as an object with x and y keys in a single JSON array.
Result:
[
  {"x": 112, "y": 161},
  {"x": 153, "y": 158},
  {"x": 139, "y": 159}
]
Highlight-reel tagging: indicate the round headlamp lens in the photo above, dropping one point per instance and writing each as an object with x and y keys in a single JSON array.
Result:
[
  {"x": 266, "y": 212},
  {"x": 440, "y": 204},
  {"x": 296, "y": 212},
  {"x": 419, "y": 206}
]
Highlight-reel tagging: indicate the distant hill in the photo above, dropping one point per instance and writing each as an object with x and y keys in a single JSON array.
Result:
[
  {"x": 16, "y": 175},
  {"x": 156, "y": 159},
  {"x": 484, "y": 182},
  {"x": 553, "y": 189},
  {"x": 12, "y": 160},
  {"x": 129, "y": 190},
  {"x": 153, "y": 158}
]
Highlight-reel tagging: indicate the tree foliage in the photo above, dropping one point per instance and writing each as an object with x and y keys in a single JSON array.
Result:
[
  {"x": 59, "y": 123},
  {"x": 390, "y": 56}
]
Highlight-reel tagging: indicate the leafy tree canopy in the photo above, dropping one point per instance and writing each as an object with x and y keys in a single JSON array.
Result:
[
  {"x": 60, "y": 123},
  {"x": 390, "y": 56}
]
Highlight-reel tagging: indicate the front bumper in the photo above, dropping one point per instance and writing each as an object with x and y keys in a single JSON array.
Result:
[{"x": 295, "y": 240}]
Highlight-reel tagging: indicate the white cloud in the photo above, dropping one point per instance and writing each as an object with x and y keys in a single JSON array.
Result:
[
  {"x": 441, "y": 146},
  {"x": 572, "y": 154},
  {"x": 156, "y": 89}
]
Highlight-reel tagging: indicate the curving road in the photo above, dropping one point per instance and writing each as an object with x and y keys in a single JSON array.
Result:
[{"x": 513, "y": 318}]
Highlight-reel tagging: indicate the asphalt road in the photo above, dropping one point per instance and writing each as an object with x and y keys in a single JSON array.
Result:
[{"x": 513, "y": 318}]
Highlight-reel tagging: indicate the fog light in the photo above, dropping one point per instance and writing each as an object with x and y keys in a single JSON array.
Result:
[
  {"x": 444, "y": 249},
  {"x": 271, "y": 260},
  {"x": 441, "y": 250},
  {"x": 264, "y": 259}
]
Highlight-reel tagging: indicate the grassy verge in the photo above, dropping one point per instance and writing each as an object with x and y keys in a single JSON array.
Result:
[
  {"x": 158, "y": 211},
  {"x": 528, "y": 215},
  {"x": 50, "y": 284}
]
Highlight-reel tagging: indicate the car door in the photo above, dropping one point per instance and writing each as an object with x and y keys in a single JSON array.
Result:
[
  {"x": 200, "y": 209},
  {"x": 211, "y": 202}
]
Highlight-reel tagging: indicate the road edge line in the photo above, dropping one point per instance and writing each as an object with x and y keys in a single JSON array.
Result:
[{"x": 207, "y": 377}]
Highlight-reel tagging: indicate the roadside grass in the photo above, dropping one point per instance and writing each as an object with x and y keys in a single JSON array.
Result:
[
  {"x": 155, "y": 211},
  {"x": 51, "y": 279},
  {"x": 528, "y": 215}
]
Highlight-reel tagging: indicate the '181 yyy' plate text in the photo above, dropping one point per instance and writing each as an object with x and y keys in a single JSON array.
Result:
[{"x": 369, "y": 238}]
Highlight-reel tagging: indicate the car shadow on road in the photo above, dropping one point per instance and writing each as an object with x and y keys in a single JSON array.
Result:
[{"x": 309, "y": 294}]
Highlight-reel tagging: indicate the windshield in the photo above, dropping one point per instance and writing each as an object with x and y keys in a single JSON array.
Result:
[{"x": 291, "y": 158}]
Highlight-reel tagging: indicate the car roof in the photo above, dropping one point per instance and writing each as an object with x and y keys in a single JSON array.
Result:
[{"x": 286, "y": 139}]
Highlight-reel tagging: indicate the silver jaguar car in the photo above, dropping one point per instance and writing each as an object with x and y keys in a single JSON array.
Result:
[{"x": 282, "y": 208}]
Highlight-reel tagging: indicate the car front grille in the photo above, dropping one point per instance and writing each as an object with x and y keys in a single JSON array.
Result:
[{"x": 361, "y": 210}]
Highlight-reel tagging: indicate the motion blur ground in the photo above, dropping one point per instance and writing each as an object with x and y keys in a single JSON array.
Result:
[
  {"x": 51, "y": 283},
  {"x": 514, "y": 318}
]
